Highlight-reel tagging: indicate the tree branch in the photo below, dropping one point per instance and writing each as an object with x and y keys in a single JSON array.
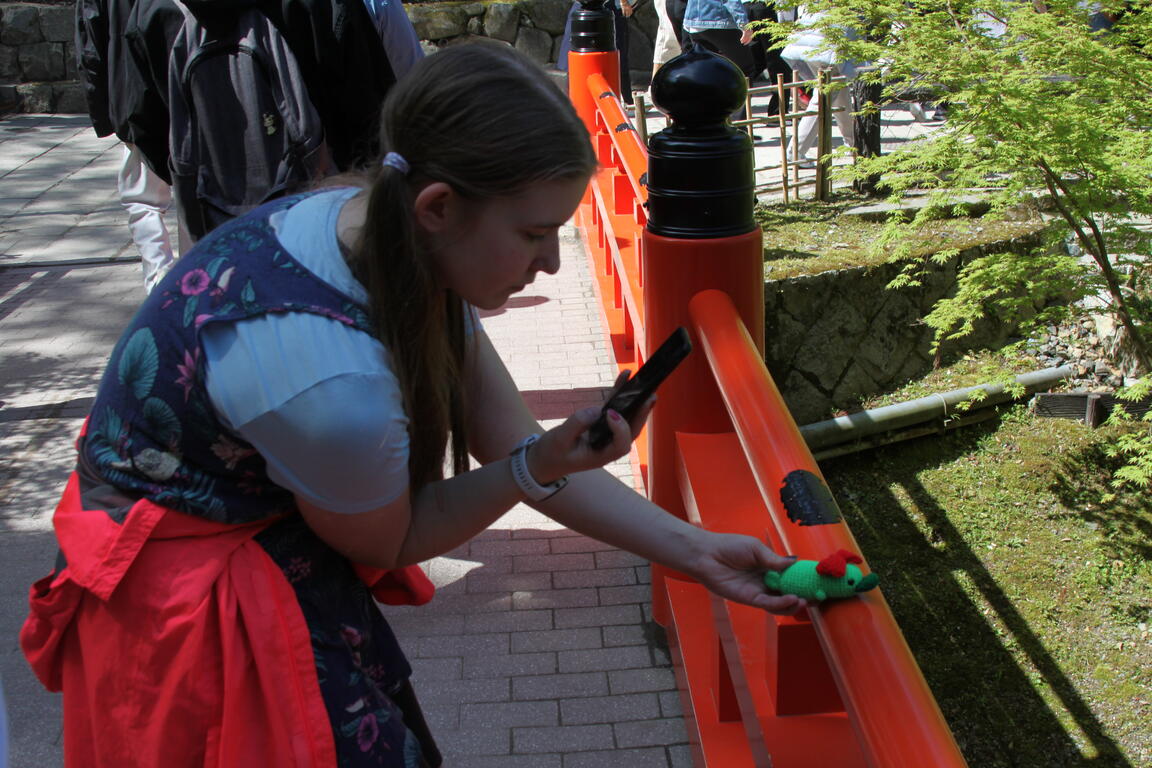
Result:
[{"x": 1097, "y": 247}]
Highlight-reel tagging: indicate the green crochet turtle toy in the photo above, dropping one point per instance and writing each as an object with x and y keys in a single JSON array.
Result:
[{"x": 819, "y": 580}]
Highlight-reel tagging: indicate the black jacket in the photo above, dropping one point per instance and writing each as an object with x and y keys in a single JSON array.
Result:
[{"x": 113, "y": 87}]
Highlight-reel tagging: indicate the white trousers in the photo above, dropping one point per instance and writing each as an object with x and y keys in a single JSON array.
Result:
[
  {"x": 145, "y": 196},
  {"x": 666, "y": 47},
  {"x": 841, "y": 99}
]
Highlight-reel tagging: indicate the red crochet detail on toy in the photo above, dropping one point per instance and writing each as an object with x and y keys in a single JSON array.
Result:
[{"x": 836, "y": 564}]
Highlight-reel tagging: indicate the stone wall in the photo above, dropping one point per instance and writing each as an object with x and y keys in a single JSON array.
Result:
[
  {"x": 38, "y": 60},
  {"x": 535, "y": 27},
  {"x": 834, "y": 338}
]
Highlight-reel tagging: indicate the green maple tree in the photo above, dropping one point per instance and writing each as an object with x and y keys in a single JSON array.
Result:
[{"x": 1044, "y": 111}]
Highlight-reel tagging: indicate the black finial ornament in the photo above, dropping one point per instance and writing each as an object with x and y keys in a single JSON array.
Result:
[
  {"x": 701, "y": 171},
  {"x": 593, "y": 28}
]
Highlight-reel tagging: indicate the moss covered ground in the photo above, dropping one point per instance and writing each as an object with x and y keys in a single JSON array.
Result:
[
  {"x": 808, "y": 237},
  {"x": 1025, "y": 600}
]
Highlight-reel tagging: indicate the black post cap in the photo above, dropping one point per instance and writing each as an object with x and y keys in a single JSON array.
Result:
[
  {"x": 701, "y": 170},
  {"x": 593, "y": 28}
]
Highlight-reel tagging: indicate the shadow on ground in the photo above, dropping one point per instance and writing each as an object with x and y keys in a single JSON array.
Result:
[{"x": 989, "y": 701}]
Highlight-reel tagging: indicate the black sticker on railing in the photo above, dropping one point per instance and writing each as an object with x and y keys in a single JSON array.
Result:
[
  {"x": 807, "y": 499},
  {"x": 644, "y": 180},
  {"x": 623, "y": 127}
]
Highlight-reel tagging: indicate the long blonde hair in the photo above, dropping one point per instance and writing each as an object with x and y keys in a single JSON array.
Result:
[{"x": 487, "y": 121}]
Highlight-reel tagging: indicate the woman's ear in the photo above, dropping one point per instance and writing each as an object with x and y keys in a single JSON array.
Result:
[{"x": 436, "y": 207}]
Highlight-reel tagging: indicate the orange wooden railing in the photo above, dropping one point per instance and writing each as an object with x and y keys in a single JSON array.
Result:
[
  {"x": 836, "y": 686},
  {"x": 867, "y": 692}
]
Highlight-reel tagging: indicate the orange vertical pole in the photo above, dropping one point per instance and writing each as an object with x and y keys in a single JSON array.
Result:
[
  {"x": 593, "y": 52},
  {"x": 700, "y": 234}
]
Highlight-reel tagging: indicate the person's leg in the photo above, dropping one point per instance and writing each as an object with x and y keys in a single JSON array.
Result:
[
  {"x": 676, "y": 9},
  {"x": 622, "y": 47},
  {"x": 809, "y": 124},
  {"x": 667, "y": 44},
  {"x": 842, "y": 105},
  {"x": 145, "y": 196},
  {"x": 775, "y": 67}
]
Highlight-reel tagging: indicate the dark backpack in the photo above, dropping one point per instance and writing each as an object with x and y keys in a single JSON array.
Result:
[{"x": 243, "y": 128}]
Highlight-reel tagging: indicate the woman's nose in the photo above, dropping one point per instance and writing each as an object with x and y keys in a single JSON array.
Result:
[{"x": 549, "y": 261}]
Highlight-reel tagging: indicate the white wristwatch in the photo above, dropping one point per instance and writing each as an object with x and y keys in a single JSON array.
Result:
[{"x": 532, "y": 489}]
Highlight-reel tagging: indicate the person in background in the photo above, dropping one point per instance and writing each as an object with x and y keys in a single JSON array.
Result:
[
  {"x": 807, "y": 54},
  {"x": 721, "y": 26},
  {"x": 117, "y": 95},
  {"x": 401, "y": 44},
  {"x": 268, "y": 448},
  {"x": 667, "y": 44},
  {"x": 349, "y": 53},
  {"x": 774, "y": 64}
]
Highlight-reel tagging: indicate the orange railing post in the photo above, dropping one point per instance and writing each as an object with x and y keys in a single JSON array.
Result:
[
  {"x": 701, "y": 233},
  {"x": 593, "y": 52}
]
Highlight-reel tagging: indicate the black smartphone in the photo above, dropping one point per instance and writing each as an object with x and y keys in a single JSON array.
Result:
[{"x": 636, "y": 391}]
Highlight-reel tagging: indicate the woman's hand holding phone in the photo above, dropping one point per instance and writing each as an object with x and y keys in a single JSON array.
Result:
[
  {"x": 593, "y": 437},
  {"x": 565, "y": 448}
]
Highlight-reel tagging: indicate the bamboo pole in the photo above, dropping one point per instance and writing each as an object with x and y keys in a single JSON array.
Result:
[
  {"x": 823, "y": 138},
  {"x": 782, "y": 121}
]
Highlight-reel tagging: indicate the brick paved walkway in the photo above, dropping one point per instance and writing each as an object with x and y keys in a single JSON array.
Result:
[{"x": 538, "y": 650}]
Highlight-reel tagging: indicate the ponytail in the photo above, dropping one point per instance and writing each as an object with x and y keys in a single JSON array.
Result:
[{"x": 487, "y": 121}]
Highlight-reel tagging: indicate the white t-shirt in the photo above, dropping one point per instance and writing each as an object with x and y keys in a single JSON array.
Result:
[{"x": 316, "y": 398}]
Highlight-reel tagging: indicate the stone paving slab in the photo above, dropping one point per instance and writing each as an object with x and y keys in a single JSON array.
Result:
[{"x": 58, "y": 197}]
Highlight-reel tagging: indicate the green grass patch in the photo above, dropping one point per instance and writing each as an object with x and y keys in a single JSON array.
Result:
[{"x": 1026, "y": 601}]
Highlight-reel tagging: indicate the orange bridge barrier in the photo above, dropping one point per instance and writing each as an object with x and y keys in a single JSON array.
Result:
[{"x": 672, "y": 242}]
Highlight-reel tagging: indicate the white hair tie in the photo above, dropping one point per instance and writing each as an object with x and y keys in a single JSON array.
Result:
[{"x": 397, "y": 161}]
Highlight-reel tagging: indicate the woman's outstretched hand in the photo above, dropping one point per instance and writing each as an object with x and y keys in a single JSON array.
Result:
[{"x": 733, "y": 567}]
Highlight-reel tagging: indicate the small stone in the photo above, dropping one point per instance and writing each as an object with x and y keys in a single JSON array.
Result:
[
  {"x": 58, "y": 24},
  {"x": 21, "y": 25},
  {"x": 536, "y": 44},
  {"x": 70, "y": 99},
  {"x": 501, "y": 21}
]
